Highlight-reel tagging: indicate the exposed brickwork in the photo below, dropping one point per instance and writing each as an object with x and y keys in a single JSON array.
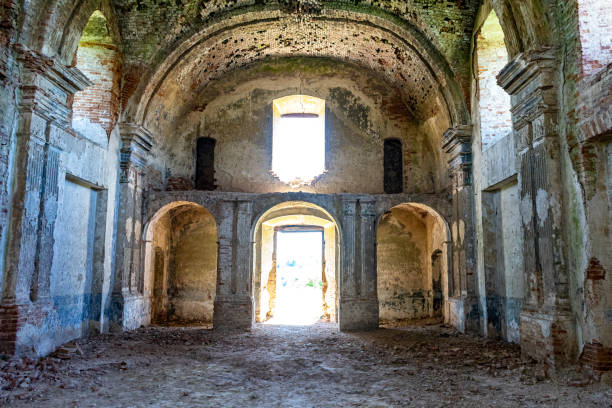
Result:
[
  {"x": 595, "y": 271},
  {"x": 494, "y": 103},
  {"x": 98, "y": 103},
  {"x": 179, "y": 184},
  {"x": 15, "y": 317},
  {"x": 595, "y": 34},
  {"x": 151, "y": 29},
  {"x": 596, "y": 356}
]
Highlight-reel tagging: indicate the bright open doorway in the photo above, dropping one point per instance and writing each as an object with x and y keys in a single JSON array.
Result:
[{"x": 299, "y": 275}]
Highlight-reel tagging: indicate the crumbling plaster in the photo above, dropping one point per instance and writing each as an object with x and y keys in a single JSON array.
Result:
[{"x": 236, "y": 111}]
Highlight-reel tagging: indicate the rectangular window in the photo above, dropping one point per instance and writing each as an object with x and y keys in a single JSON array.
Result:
[
  {"x": 393, "y": 167},
  {"x": 205, "y": 164}
]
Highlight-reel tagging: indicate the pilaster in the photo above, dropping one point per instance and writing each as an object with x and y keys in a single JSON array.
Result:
[
  {"x": 457, "y": 143},
  {"x": 128, "y": 307},
  {"x": 233, "y": 302},
  {"x": 546, "y": 325},
  {"x": 358, "y": 297},
  {"x": 43, "y": 115}
]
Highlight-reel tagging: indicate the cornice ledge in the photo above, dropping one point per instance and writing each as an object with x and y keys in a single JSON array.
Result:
[
  {"x": 70, "y": 79},
  {"x": 524, "y": 68}
]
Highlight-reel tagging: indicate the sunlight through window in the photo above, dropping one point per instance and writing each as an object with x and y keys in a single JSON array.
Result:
[{"x": 299, "y": 139}]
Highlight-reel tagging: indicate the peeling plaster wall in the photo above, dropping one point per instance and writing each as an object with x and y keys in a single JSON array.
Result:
[
  {"x": 192, "y": 278},
  {"x": 156, "y": 267},
  {"x": 512, "y": 239},
  {"x": 71, "y": 273},
  {"x": 405, "y": 238},
  {"x": 152, "y": 29},
  {"x": 236, "y": 111},
  {"x": 497, "y": 215},
  {"x": 585, "y": 128}
]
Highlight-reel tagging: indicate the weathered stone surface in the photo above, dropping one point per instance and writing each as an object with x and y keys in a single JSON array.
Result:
[{"x": 102, "y": 104}]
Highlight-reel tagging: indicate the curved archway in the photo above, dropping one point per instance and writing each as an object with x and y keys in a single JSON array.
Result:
[
  {"x": 400, "y": 52},
  {"x": 295, "y": 265},
  {"x": 95, "y": 110},
  {"x": 413, "y": 261},
  {"x": 180, "y": 264}
]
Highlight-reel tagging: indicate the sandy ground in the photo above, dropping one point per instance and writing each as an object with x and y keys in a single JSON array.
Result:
[{"x": 291, "y": 366}]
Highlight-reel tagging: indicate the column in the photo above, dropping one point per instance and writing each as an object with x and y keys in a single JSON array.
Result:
[
  {"x": 464, "y": 305},
  {"x": 234, "y": 302},
  {"x": 358, "y": 300},
  {"x": 547, "y": 327},
  {"x": 129, "y": 310}
]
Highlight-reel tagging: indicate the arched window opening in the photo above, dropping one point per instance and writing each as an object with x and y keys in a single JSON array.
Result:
[
  {"x": 595, "y": 20},
  {"x": 393, "y": 166},
  {"x": 205, "y": 164},
  {"x": 95, "y": 110},
  {"x": 494, "y": 102},
  {"x": 298, "y": 143}
]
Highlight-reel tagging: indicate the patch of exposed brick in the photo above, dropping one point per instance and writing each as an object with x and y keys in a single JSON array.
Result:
[
  {"x": 595, "y": 271},
  {"x": 596, "y": 356},
  {"x": 178, "y": 184}
]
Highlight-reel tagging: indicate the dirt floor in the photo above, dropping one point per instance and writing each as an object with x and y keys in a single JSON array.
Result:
[{"x": 288, "y": 366}]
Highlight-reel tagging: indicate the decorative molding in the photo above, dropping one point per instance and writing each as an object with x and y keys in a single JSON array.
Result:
[
  {"x": 530, "y": 79},
  {"x": 136, "y": 143},
  {"x": 46, "y": 85},
  {"x": 367, "y": 208},
  {"x": 457, "y": 143},
  {"x": 349, "y": 207}
]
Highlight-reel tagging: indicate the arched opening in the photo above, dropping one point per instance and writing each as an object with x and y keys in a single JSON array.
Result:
[
  {"x": 412, "y": 266},
  {"x": 494, "y": 102},
  {"x": 296, "y": 255},
  {"x": 181, "y": 264},
  {"x": 497, "y": 199},
  {"x": 95, "y": 110},
  {"x": 595, "y": 20}
]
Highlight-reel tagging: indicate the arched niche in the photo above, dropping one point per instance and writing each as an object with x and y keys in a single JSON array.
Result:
[
  {"x": 180, "y": 264},
  {"x": 413, "y": 280}
]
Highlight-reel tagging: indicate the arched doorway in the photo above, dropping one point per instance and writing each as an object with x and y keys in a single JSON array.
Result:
[
  {"x": 296, "y": 256},
  {"x": 412, "y": 265},
  {"x": 181, "y": 264}
]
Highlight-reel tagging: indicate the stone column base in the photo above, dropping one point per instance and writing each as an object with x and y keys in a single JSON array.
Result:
[
  {"x": 136, "y": 311},
  {"x": 128, "y": 311},
  {"x": 233, "y": 313},
  {"x": 462, "y": 314},
  {"x": 16, "y": 320},
  {"x": 548, "y": 336},
  {"x": 358, "y": 314}
]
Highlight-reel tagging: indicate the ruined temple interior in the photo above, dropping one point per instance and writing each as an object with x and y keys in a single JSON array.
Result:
[{"x": 305, "y": 203}]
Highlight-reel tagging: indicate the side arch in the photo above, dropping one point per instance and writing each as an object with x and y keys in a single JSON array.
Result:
[{"x": 183, "y": 236}]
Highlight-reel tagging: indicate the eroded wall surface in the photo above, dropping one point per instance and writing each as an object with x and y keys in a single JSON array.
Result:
[
  {"x": 192, "y": 278},
  {"x": 406, "y": 240},
  {"x": 237, "y": 112}
]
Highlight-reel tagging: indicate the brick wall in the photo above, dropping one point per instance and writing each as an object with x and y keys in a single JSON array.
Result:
[
  {"x": 495, "y": 118},
  {"x": 100, "y": 102},
  {"x": 595, "y": 18}
]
